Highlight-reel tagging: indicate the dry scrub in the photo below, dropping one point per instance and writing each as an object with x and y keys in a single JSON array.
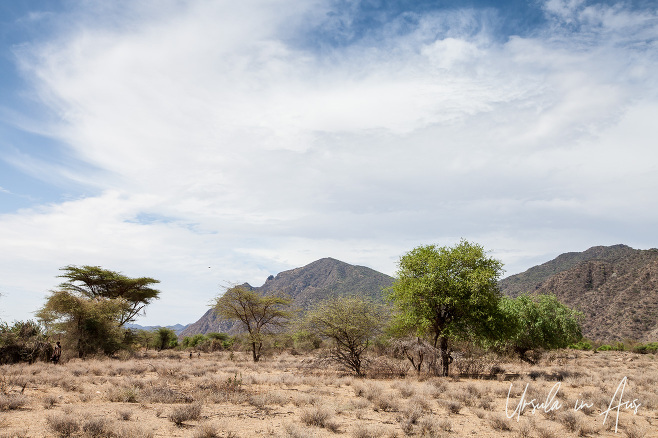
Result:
[{"x": 227, "y": 395}]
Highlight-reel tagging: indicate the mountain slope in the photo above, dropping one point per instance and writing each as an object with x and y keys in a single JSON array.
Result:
[
  {"x": 615, "y": 287},
  {"x": 307, "y": 286},
  {"x": 533, "y": 278}
]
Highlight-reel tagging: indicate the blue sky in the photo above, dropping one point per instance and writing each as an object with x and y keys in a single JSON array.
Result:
[{"x": 205, "y": 143}]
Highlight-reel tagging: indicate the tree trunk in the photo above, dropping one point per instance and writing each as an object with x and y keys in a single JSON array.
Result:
[
  {"x": 445, "y": 356},
  {"x": 255, "y": 350}
]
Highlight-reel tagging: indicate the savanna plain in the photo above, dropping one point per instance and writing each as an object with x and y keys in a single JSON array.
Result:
[{"x": 225, "y": 394}]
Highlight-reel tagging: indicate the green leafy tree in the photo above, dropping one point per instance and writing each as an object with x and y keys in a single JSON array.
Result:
[
  {"x": 259, "y": 315},
  {"x": 96, "y": 283},
  {"x": 24, "y": 341},
  {"x": 539, "y": 322},
  {"x": 91, "y": 307},
  {"x": 351, "y": 324},
  {"x": 146, "y": 339},
  {"x": 447, "y": 293},
  {"x": 166, "y": 338}
]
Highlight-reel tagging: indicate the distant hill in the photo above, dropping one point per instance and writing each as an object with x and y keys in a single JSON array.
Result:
[
  {"x": 176, "y": 328},
  {"x": 307, "y": 286},
  {"x": 616, "y": 287},
  {"x": 533, "y": 278}
]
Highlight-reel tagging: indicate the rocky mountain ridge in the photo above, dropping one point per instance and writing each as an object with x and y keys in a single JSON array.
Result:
[
  {"x": 307, "y": 286},
  {"x": 616, "y": 288}
]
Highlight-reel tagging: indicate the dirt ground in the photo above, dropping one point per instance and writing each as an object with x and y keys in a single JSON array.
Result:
[{"x": 226, "y": 395}]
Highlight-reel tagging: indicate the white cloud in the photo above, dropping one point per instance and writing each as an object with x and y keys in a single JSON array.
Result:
[{"x": 219, "y": 143}]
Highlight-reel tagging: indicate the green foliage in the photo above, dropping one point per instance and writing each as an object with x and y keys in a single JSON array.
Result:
[
  {"x": 351, "y": 324},
  {"x": 90, "y": 309},
  {"x": 582, "y": 345},
  {"x": 96, "y": 283},
  {"x": 259, "y": 315},
  {"x": 650, "y": 347},
  {"x": 619, "y": 346},
  {"x": 193, "y": 341},
  {"x": 447, "y": 293},
  {"x": 145, "y": 339},
  {"x": 304, "y": 340},
  {"x": 166, "y": 338},
  {"x": 23, "y": 342},
  {"x": 539, "y": 322}
]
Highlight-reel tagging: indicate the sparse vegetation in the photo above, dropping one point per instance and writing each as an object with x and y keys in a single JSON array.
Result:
[{"x": 156, "y": 393}]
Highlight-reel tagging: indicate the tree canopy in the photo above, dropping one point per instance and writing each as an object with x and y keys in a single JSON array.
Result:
[
  {"x": 447, "y": 293},
  {"x": 351, "y": 323},
  {"x": 539, "y": 322},
  {"x": 258, "y": 314},
  {"x": 95, "y": 282},
  {"x": 90, "y": 309}
]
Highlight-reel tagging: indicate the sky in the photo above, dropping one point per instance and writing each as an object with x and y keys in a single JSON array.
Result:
[{"x": 208, "y": 143}]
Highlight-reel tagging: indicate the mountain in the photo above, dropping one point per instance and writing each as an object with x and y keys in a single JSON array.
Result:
[
  {"x": 533, "y": 278},
  {"x": 176, "y": 328},
  {"x": 616, "y": 287},
  {"x": 307, "y": 286}
]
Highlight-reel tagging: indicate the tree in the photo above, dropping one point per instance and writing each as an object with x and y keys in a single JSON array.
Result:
[
  {"x": 539, "y": 322},
  {"x": 258, "y": 314},
  {"x": 447, "y": 293},
  {"x": 95, "y": 282},
  {"x": 351, "y": 323},
  {"x": 91, "y": 308},
  {"x": 24, "y": 341},
  {"x": 166, "y": 338}
]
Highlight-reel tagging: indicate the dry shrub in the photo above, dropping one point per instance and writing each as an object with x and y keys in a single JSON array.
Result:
[
  {"x": 319, "y": 417},
  {"x": 362, "y": 431},
  {"x": 124, "y": 394},
  {"x": 480, "y": 413},
  {"x": 304, "y": 399},
  {"x": 545, "y": 433},
  {"x": 125, "y": 415},
  {"x": 49, "y": 401},
  {"x": 433, "y": 429},
  {"x": 634, "y": 431},
  {"x": 181, "y": 414},
  {"x": 294, "y": 431},
  {"x": 453, "y": 406},
  {"x": 569, "y": 420},
  {"x": 585, "y": 429},
  {"x": 384, "y": 403},
  {"x": 486, "y": 403},
  {"x": 525, "y": 431},
  {"x": 133, "y": 432},
  {"x": 206, "y": 431},
  {"x": 386, "y": 368},
  {"x": 10, "y": 402},
  {"x": 497, "y": 422},
  {"x": 439, "y": 383},
  {"x": 164, "y": 394},
  {"x": 98, "y": 428},
  {"x": 63, "y": 426}
]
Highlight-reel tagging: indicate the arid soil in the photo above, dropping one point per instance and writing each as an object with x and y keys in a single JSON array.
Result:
[{"x": 226, "y": 395}]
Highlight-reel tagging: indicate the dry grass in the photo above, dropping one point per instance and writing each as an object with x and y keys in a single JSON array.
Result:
[{"x": 166, "y": 395}]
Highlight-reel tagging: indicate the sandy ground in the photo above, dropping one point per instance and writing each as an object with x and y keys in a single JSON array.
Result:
[{"x": 226, "y": 395}]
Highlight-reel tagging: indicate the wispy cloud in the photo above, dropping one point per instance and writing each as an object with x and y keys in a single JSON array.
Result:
[{"x": 264, "y": 153}]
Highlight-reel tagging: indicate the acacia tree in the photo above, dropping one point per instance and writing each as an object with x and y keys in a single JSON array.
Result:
[
  {"x": 258, "y": 314},
  {"x": 539, "y": 322},
  {"x": 97, "y": 283},
  {"x": 91, "y": 308},
  {"x": 447, "y": 293},
  {"x": 351, "y": 323}
]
